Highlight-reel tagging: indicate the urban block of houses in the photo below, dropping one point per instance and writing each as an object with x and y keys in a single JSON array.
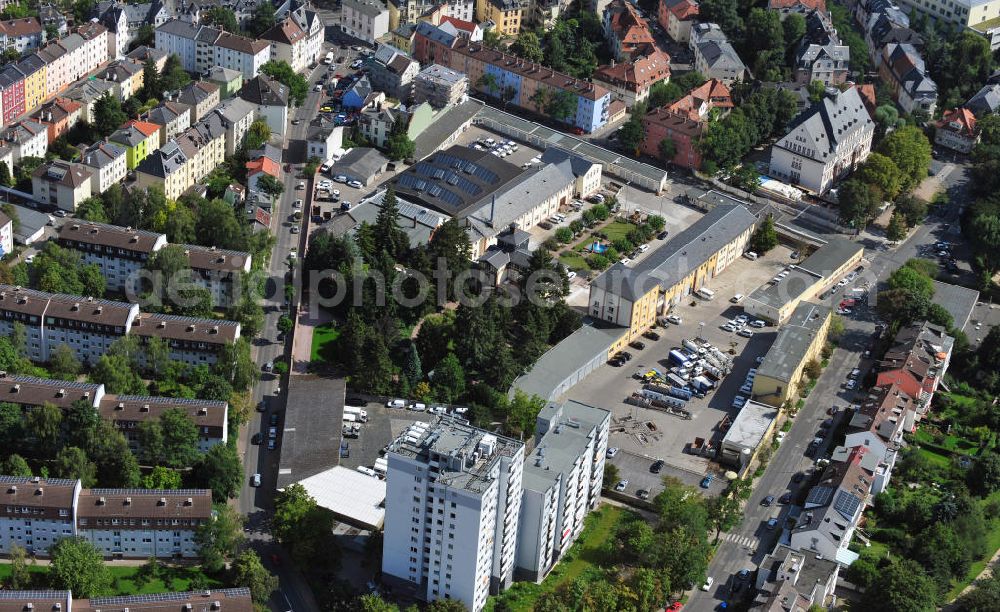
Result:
[
  {"x": 271, "y": 99},
  {"x": 903, "y": 71},
  {"x": 505, "y": 15},
  {"x": 367, "y": 20},
  {"x": 106, "y": 161},
  {"x": 684, "y": 122},
  {"x": 172, "y": 117},
  {"x": 310, "y": 23},
  {"x": 133, "y": 523},
  {"x": 626, "y": 31},
  {"x": 139, "y": 138},
  {"x": 27, "y": 139},
  {"x": 957, "y": 130},
  {"x": 802, "y": 7},
  {"x": 87, "y": 93},
  {"x": 714, "y": 56},
  {"x": 878, "y": 424},
  {"x": 289, "y": 43},
  {"x": 166, "y": 167},
  {"x": 143, "y": 54},
  {"x": 917, "y": 362},
  {"x": 60, "y": 115},
  {"x": 439, "y": 86},
  {"x": 824, "y": 143},
  {"x": 62, "y": 184},
  {"x": 392, "y": 71},
  {"x": 200, "y": 97},
  {"x": 124, "y": 21},
  {"x": 200, "y": 48},
  {"x": 229, "y": 81},
  {"x": 126, "y": 76},
  {"x": 677, "y": 17},
  {"x": 630, "y": 81},
  {"x": 820, "y": 55},
  {"x": 793, "y": 580},
  {"x": 22, "y": 35},
  {"x": 510, "y": 73}
]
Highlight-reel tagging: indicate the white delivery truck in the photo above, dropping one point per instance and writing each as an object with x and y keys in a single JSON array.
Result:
[
  {"x": 328, "y": 59},
  {"x": 350, "y": 418},
  {"x": 381, "y": 466},
  {"x": 359, "y": 413},
  {"x": 705, "y": 293}
]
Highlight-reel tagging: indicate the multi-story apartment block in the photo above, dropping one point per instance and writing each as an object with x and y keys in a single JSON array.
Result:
[
  {"x": 677, "y": 17},
  {"x": 218, "y": 271},
  {"x": 95, "y": 45},
  {"x": 878, "y": 425},
  {"x": 365, "y": 19},
  {"x": 237, "y": 115},
  {"x": 587, "y": 172},
  {"x": 714, "y": 56},
  {"x": 289, "y": 43},
  {"x": 517, "y": 79},
  {"x": 505, "y": 15},
  {"x": 821, "y": 56},
  {"x": 392, "y": 71},
  {"x": 84, "y": 324},
  {"x": 125, "y": 20},
  {"x": 62, "y": 184},
  {"x": 34, "y": 69},
  {"x": 12, "y": 96},
  {"x": 142, "y": 54},
  {"x": 562, "y": 483},
  {"x": 128, "y": 412},
  {"x": 172, "y": 117},
  {"x": 201, "y": 97},
  {"x": 22, "y": 35},
  {"x": 139, "y": 138},
  {"x": 51, "y": 15},
  {"x": 143, "y": 523},
  {"x": 204, "y": 144},
  {"x": 453, "y": 499},
  {"x": 439, "y": 86},
  {"x": 36, "y": 512},
  {"x": 126, "y": 75},
  {"x": 902, "y": 69},
  {"x": 631, "y": 297},
  {"x": 271, "y": 99},
  {"x": 59, "y": 115},
  {"x": 120, "y": 252},
  {"x": 166, "y": 167},
  {"x": 631, "y": 80},
  {"x": 107, "y": 162},
  {"x": 116, "y": 21},
  {"x": 917, "y": 362},
  {"x": 201, "y": 48},
  {"x": 27, "y": 139},
  {"x": 192, "y": 341},
  {"x": 403, "y": 12},
  {"x": 311, "y": 23},
  {"x": 824, "y": 143},
  {"x": 55, "y": 71},
  {"x": 626, "y": 31},
  {"x": 29, "y": 392}
]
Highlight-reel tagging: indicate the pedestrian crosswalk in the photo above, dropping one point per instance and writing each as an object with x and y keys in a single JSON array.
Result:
[{"x": 742, "y": 540}]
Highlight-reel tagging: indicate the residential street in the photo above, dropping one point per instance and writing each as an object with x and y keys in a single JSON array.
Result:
[{"x": 746, "y": 545}]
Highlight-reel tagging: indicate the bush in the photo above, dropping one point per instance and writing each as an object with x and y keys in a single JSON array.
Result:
[
  {"x": 597, "y": 262},
  {"x": 550, "y": 244},
  {"x": 564, "y": 235},
  {"x": 623, "y": 245}
]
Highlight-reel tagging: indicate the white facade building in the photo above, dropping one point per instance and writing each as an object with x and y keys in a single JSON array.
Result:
[
  {"x": 36, "y": 512},
  {"x": 365, "y": 19},
  {"x": 200, "y": 48},
  {"x": 107, "y": 161},
  {"x": 312, "y": 25},
  {"x": 453, "y": 498},
  {"x": 825, "y": 142},
  {"x": 27, "y": 139},
  {"x": 119, "y": 252}
]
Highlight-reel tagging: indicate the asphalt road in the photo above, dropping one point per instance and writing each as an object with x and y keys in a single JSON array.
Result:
[
  {"x": 257, "y": 503},
  {"x": 746, "y": 545}
]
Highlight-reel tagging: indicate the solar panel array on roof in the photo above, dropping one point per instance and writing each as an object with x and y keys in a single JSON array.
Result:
[
  {"x": 819, "y": 496},
  {"x": 36, "y": 595},
  {"x": 847, "y": 504}
]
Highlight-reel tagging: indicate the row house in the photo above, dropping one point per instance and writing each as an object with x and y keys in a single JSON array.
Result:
[
  {"x": 529, "y": 83},
  {"x": 631, "y": 81},
  {"x": 903, "y": 71},
  {"x": 55, "y": 69},
  {"x": 367, "y": 20},
  {"x": 21, "y": 35},
  {"x": 11, "y": 93},
  {"x": 824, "y": 143},
  {"x": 107, "y": 162},
  {"x": 271, "y": 99},
  {"x": 917, "y": 362},
  {"x": 802, "y": 7},
  {"x": 59, "y": 115},
  {"x": 237, "y": 115},
  {"x": 714, "y": 56},
  {"x": 821, "y": 56},
  {"x": 957, "y": 130},
  {"x": 310, "y": 23},
  {"x": 392, "y": 71},
  {"x": 143, "y": 523},
  {"x": 289, "y": 43},
  {"x": 199, "y": 48},
  {"x": 201, "y": 97},
  {"x": 87, "y": 93},
  {"x": 626, "y": 31},
  {"x": 128, "y": 412},
  {"x": 30, "y": 392},
  {"x": 172, "y": 117},
  {"x": 677, "y": 17},
  {"x": 125, "y": 21},
  {"x": 27, "y": 139},
  {"x": 191, "y": 340},
  {"x": 204, "y": 144},
  {"x": 94, "y": 50},
  {"x": 121, "y": 253},
  {"x": 833, "y": 508},
  {"x": 34, "y": 69},
  {"x": 87, "y": 325},
  {"x": 62, "y": 184},
  {"x": 878, "y": 424},
  {"x": 166, "y": 167},
  {"x": 116, "y": 21},
  {"x": 139, "y": 138},
  {"x": 684, "y": 121},
  {"x": 126, "y": 75},
  {"x": 219, "y": 271},
  {"x": 143, "y": 54}
]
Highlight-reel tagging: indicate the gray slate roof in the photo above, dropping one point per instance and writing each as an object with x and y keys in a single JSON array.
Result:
[
  {"x": 792, "y": 343},
  {"x": 838, "y": 116},
  {"x": 985, "y": 102},
  {"x": 362, "y": 161},
  {"x": 164, "y": 161}
]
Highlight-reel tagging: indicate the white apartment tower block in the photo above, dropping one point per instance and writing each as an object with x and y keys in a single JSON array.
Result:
[{"x": 453, "y": 499}]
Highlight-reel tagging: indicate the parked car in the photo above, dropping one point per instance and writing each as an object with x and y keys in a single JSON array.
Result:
[
  {"x": 706, "y": 482},
  {"x": 746, "y": 333},
  {"x": 767, "y": 501},
  {"x": 736, "y": 299},
  {"x": 657, "y": 466},
  {"x": 757, "y": 323},
  {"x": 662, "y": 235},
  {"x": 708, "y": 583},
  {"x": 611, "y": 452},
  {"x": 674, "y": 319},
  {"x": 257, "y": 438},
  {"x": 355, "y": 184},
  {"x": 772, "y": 523},
  {"x": 255, "y": 480},
  {"x": 272, "y": 444},
  {"x": 638, "y": 345},
  {"x": 798, "y": 477},
  {"x": 642, "y": 493},
  {"x": 621, "y": 486},
  {"x": 652, "y": 335}
]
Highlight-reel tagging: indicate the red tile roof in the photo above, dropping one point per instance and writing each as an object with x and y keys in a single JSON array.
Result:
[
  {"x": 815, "y": 5},
  {"x": 637, "y": 75},
  {"x": 958, "y": 120},
  {"x": 628, "y": 26},
  {"x": 712, "y": 94},
  {"x": 145, "y": 127},
  {"x": 21, "y": 27},
  {"x": 263, "y": 164},
  {"x": 460, "y": 24},
  {"x": 683, "y": 10}
]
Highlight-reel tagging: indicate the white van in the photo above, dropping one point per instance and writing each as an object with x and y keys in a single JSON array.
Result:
[
  {"x": 350, "y": 418},
  {"x": 396, "y": 403},
  {"x": 360, "y": 413},
  {"x": 736, "y": 299},
  {"x": 325, "y": 168},
  {"x": 705, "y": 293},
  {"x": 750, "y": 255},
  {"x": 367, "y": 471},
  {"x": 643, "y": 248}
]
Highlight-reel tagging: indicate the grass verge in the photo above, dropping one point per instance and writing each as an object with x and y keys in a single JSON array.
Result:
[
  {"x": 324, "y": 343},
  {"x": 172, "y": 579}
]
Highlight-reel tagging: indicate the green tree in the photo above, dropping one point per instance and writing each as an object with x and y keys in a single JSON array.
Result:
[
  {"x": 398, "y": 145},
  {"x": 668, "y": 150},
  {"x": 78, "y": 566},
  {"x": 108, "y": 114},
  {"x": 901, "y": 586},
  {"x": 236, "y": 366},
  {"x": 528, "y": 46},
  {"x": 896, "y": 229},
  {"x": 389, "y": 237},
  {"x": 162, "y": 478},
  {"x": 765, "y": 238},
  {"x": 985, "y": 473},
  {"x": 117, "y": 376},
  {"x": 448, "y": 380},
  {"x": 297, "y": 86},
  {"x": 45, "y": 424},
  {"x": 20, "y": 577},
  {"x": 91, "y": 209},
  {"x": 631, "y": 134},
  {"x": 5, "y": 178},
  {"x": 180, "y": 438},
  {"x": 859, "y": 203},
  {"x": 72, "y": 462},
  {"x": 257, "y": 136},
  {"x": 249, "y": 572},
  {"x": 15, "y": 465},
  {"x": 882, "y": 173},
  {"x": 223, "y": 18},
  {"x": 116, "y": 465},
  {"x": 412, "y": 368},
  {"x": 220, "y": 538},
  {"x": 63, "y": 363},
  {"x": 173, "y": 76},
  {"x": 910, "y": 150},
  {"x": 221, "y": 471},
  {"x": 302, "y": 526},
  {"x": 725, "y": 512},
  {"x": 263, "y": 19},
  {"x": 726, "y": 13},
  {"x": 150, "y": 80}
]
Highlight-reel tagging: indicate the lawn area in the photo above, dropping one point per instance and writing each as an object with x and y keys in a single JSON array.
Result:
[
  {"x": 324, "y": 343},
  {"x": 613, "y": 230},
  {"x": 935, "y": 458},
  {"x": 585, "y": 552},
  {"x": 992, "y": 546},
  {"x": 573, "y": 261},
  {"x": 955, "y": 444},
  {"x": 172, "y": 579}
]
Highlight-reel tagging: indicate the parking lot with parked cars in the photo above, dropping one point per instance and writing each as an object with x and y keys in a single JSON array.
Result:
[{"x": 644, "y": 435}]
